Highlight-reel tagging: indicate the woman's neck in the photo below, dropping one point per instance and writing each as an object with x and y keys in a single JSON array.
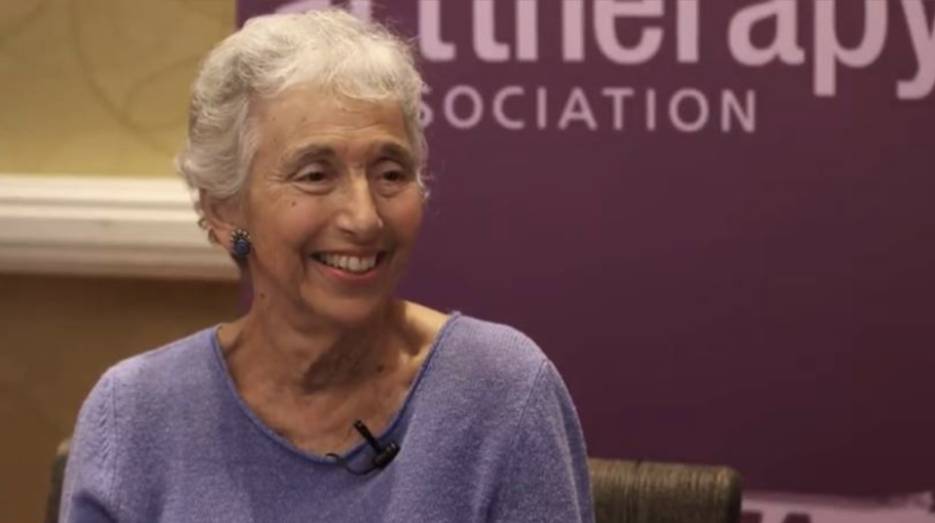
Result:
[
  {"x": 309, "y": 384},
  {"x": 313, "y": 355}
]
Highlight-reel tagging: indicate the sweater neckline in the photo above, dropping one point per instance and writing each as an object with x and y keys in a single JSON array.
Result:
[{"x": 353, "y": 452}]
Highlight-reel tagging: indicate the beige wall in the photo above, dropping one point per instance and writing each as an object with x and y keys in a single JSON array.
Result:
[
  {"x": 57, "y": 335},
  {"x": 100, "y": 86},
  {"x": 96, "y": 87}
]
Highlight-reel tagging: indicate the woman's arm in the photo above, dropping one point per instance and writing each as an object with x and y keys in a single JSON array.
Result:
[
  {"x": 89, "y": 487},
  {"x": 546, "y": 477}
]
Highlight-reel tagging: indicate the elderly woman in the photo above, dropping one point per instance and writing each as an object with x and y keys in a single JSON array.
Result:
[{"x": 329, "y": 400}]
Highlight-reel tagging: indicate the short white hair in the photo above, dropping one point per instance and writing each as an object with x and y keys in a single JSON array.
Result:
[{"x": 328, "y": 48}]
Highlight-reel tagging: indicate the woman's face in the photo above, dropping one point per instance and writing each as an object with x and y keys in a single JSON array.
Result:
[{"x": 332, "y": 203}]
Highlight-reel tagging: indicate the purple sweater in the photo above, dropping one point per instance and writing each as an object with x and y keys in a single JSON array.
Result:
[{"x": 488, "y": 433}]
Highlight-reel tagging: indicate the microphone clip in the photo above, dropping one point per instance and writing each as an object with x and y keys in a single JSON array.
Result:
[{"x": 383, "y": 455}]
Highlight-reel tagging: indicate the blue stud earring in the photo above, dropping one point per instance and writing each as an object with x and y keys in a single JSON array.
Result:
[{"x": 240, "y": 243}]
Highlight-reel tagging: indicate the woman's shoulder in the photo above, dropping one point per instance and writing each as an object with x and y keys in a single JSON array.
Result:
[
  {"x": 154, "y": 382},
  {"x": 486, "y": 359},
  {"x": 487, "y": 382},
  {"x": 490, "y": 343},
  {"x": 172, "y": 363},
  {"x": 143, "y": 411}
]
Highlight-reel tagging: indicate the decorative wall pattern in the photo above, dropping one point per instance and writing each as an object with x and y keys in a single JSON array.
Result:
[{"x": 100, "y": 86}]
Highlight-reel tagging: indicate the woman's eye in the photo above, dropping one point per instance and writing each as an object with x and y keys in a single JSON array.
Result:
[
  {"x": 312, "y": 176},
  {"x": 394, "y": 176},
  {"x": 391, "y": 172}
]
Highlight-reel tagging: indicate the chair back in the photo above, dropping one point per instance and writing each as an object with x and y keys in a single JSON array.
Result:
[
  {"x": 644, "y": 492},
  {"x": 58, "y": 477}
]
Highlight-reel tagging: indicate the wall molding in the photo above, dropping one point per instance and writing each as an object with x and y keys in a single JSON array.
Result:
[{"x": 109, "y": 226}]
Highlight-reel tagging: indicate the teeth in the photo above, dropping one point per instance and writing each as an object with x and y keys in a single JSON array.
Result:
[{"x": 348, "y": 263}]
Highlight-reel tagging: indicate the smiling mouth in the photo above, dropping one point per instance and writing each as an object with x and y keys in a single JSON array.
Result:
[{"x": 348, "y": 263}]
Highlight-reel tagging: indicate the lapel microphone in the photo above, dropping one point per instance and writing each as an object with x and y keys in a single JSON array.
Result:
[{"x": 383, "y": 455}]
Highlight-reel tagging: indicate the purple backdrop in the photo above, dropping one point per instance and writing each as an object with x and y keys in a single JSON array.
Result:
[{"x": 747, "y": 281}]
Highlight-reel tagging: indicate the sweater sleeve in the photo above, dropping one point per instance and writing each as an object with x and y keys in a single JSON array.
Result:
[
  {"x": 88, "y": 490},
  {"x": 546, "y": 477}
]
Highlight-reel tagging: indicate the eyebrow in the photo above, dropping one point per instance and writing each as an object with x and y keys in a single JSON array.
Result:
[
  {"x": 310, "y": 152},
  {"x": 397, "y": 152},
  {"x": 305, "y": 154}
]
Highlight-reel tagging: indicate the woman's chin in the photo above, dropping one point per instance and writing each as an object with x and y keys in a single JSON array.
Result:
[
  {"x": 346, "y": 311},
  {"x": 324, "y": 301}
]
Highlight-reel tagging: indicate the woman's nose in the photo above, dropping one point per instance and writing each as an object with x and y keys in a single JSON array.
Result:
[{"x": 358, "y": 216}]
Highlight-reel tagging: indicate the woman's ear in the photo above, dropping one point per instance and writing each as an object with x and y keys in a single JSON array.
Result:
[{"x": 221, "y": 217}]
